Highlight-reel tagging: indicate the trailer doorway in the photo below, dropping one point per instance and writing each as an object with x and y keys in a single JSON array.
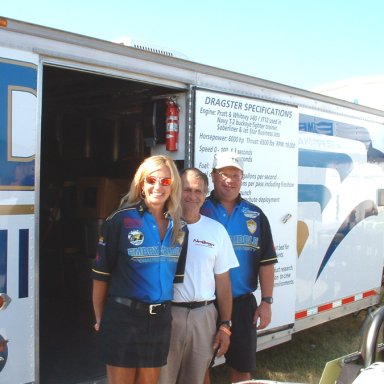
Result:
[{"x": 95, "y": 131}]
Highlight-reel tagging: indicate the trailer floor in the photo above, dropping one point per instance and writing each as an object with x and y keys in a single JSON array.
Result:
[{"x": 69, "y": 353}]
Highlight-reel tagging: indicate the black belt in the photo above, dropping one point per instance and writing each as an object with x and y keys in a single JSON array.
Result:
[
  {"x": 193, "y": 304},
  {"x": 242, "y": 297},
  {"x": 152, "y": 309}
]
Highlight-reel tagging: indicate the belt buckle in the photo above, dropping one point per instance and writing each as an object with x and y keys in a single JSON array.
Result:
[{"x": 152, "y": 307}]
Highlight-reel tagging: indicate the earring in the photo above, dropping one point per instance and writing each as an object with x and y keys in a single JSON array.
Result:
[{"x": 142, "y": 194}]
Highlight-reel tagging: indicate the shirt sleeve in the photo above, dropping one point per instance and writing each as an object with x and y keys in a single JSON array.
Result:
[
  {"x": 107, "y": 252},
  {"x": 226, "y": 257}
]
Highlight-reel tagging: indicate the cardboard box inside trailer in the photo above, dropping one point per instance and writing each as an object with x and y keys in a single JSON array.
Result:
[{"x": 98, "y": 197}]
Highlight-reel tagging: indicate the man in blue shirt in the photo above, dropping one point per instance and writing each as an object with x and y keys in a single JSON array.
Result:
[{"x": 252, "y": 241}]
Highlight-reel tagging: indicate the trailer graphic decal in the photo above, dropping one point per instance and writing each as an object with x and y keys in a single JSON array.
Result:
[
  {"x": 369, "y": 208},
  {"x": 325, "y": 161},
  {"x": 321, "y": 127},
  {"x": 22, "y": 209},
  {"x": 314, "y": 193},
  {"x": 335, "y": 304},
  {"x": 17, "y": 130},
  {"x": 341, "y": 162},
  {"x": 23, "y": 262},
  {"x": 3, "y": 260},
  {"x": 3, "y": 352}
]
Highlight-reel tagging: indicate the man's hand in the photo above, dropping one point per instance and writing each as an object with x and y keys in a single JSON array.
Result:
[
  {"x": 263, "y": 315},
  {"x": 221, "y": 341}
]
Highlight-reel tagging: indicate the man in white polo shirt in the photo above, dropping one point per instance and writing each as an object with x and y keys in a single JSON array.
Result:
[{"x": 198, "y": 328}]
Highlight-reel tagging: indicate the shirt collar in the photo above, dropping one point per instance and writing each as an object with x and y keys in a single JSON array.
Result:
[
  {"x": 216, "y": 201},
  {"x": 142, "y": 208}
]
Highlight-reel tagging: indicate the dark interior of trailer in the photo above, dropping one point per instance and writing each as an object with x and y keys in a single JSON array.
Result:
[{"x": 96, "y": 129}]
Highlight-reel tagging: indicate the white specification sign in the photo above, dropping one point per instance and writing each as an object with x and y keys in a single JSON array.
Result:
[{"x": 265, "y": 135}]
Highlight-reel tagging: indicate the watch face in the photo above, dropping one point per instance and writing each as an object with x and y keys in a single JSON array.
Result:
[{"x": 227, "y": 322}]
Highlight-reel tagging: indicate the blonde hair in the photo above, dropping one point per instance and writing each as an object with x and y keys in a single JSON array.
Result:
[{"x": 173, "y": 203}]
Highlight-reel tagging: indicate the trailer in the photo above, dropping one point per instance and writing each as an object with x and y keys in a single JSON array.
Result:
[{"x": 78, "y": 115}]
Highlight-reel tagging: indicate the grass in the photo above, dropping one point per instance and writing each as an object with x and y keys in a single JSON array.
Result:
[{"x": 303, "y": 359}]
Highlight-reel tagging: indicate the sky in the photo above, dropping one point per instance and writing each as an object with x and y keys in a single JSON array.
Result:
[{"x": 301, "y": 43}]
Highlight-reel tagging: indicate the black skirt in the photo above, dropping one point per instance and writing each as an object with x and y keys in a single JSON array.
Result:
[{"x": 133, "y": 338}]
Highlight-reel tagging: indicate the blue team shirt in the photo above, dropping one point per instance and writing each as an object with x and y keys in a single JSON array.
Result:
[
  {"x": 251, "y": 236},
  {"x": 133, "y": 259}
]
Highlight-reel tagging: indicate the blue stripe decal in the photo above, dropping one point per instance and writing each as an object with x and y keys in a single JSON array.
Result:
[
  {"x": 23, "y": 262},
  {"x": 316, "y": 193},
  {"x": 341, "y": 162},
  {"x": 3, "y": 260},
  {"x": 370, "y": 209}
]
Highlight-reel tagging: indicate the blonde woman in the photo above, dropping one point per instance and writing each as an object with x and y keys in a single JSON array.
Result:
[{"x": 133, "y": 274}]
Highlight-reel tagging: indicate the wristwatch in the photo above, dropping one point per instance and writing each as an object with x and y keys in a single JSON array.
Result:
[
  {"x": 228, "y": 323},
  {"x": 268, "y": 300}
]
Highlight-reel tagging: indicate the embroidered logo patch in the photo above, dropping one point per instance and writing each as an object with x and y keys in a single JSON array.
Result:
[
  {"x": 251, "y": 214},
  {"x": 136, "y": 237},
  {"x": 132, "y": 223},
  {"x": 252, "y": 226}
]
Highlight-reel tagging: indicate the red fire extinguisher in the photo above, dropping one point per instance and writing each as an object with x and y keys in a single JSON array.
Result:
[{"x": 172, "y": 125}]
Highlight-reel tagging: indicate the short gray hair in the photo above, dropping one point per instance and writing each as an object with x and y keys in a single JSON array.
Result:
[{"x": 196, "y": 173}]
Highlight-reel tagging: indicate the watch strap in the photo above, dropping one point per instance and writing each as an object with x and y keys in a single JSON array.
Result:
[
  {"x": 267, "y": 299},
  {"x": 227, "y": 323}
]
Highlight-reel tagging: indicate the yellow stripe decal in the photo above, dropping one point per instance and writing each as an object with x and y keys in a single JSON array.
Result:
[{"x": 17, "y": 209}]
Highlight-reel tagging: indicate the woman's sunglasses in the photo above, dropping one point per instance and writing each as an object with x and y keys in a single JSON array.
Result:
[{"x": 164, "y": 181}]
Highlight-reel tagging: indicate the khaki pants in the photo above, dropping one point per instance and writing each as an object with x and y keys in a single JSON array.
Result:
[{"x": 191, "y": 349}]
